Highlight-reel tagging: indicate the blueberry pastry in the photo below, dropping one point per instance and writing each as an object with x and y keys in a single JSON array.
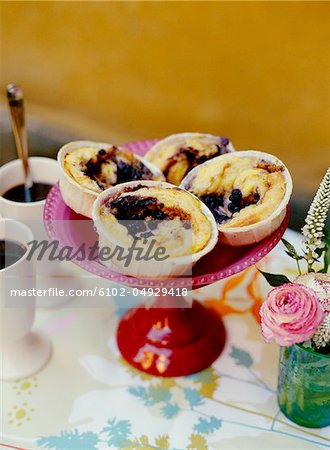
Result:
[
  {"x": 177, "y": 154},
  {"x": 247, "y": 192},
  {"x": 89, "y": 168},
  {"x": 149, "y": 213}
]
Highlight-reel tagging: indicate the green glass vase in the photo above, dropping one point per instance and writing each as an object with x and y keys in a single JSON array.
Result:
[{"x": 304, "y": 386}]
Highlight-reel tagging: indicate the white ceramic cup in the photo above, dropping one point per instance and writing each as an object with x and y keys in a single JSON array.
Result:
[
  {"x": 22, "y": 352},
  {"x": 43, "y": 170}
]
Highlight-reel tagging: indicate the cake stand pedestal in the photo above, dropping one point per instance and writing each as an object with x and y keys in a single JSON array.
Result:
[
  {"x": 172, "y": 337},
  {"x": 171, "y": 341}
]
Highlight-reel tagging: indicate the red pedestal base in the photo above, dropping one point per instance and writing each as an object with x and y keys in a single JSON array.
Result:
[{"x": 171, "y": 342}]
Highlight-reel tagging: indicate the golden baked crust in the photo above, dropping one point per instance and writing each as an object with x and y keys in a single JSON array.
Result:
[
  {"x": 176, "y": 155},
  {"x": 97, "y": 169},
  {"x": 175, "y": 218},
  {"x": 240, "y": 191}
]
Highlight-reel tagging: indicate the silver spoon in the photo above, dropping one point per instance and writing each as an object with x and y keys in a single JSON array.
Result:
[{"x": 16, "y": 106}]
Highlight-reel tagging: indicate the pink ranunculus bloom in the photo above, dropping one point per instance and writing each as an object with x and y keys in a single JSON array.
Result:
[{"x": 291, "y": 314}]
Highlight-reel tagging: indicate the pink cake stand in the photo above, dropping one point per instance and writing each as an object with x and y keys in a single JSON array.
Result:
[{"x": 168, "y": 338}]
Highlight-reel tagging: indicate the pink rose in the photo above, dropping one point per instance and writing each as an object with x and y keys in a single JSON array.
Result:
[{"x": 291, "y": 314}]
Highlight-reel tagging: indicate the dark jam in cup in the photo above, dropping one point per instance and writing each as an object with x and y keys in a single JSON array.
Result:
[{"x": 38, "y": 192}]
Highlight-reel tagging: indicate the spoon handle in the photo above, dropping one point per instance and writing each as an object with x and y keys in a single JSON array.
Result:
[{"x": 16, "y": 106}]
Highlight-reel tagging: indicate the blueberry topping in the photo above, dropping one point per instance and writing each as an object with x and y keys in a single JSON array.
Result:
[
  {"x": 215, "y": 203},
  {"x": 212, "y": 200},
  {"x": 236, "y": 196},
  {"x": 220, "y": 217},
  {"x": 160, "y": 215},
  {"x": 135, "y": 212},
  {"x": 140, "y": 214},
  {"x": 233, "y": 208},
  {"x": 193, "y": 157},
  {"x": 92, "y": 169},
  {"x": 128, "y": 172},
  {"x": 137, "y": 216},
  {"x": 236, "y": 202}
]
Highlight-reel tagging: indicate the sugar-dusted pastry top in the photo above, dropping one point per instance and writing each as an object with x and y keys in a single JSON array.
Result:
[
  {"x": 240, "y": 191},
  {"x": 176, "y": 155},
  {"x": 170, "y": 216},
  {"x": 97, "y": 169}
]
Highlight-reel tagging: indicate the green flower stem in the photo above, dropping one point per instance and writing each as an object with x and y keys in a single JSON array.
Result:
[{"x": 298, "y": 265}]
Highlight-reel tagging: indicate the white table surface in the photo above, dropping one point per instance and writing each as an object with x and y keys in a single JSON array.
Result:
[{"x": 88, "y": 398}]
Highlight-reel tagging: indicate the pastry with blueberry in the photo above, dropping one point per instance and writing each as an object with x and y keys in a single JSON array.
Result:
[
  {"x": 177, "y": 154},
  {"x": 247, "y": 192},
  {"x": 157, "y": 214},
  {"x": 89, "y": 168}
]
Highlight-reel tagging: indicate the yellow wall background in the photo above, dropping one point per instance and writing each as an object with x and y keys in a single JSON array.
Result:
[{"x": 256, "y": 71}]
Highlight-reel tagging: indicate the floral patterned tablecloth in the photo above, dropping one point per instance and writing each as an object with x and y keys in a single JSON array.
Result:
[{"x": 89, "y": 398}]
